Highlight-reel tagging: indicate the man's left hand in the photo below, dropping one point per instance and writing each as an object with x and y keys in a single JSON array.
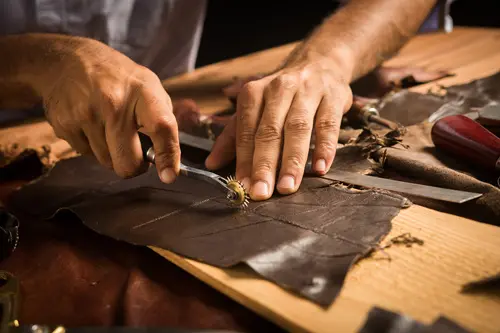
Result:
[{"x": 270, "y": 134}]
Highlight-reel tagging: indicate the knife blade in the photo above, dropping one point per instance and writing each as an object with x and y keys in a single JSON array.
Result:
[
  {"x": 437, "y": 193},
  {"x": 431, "y": 192},
  {"x": 195, "y": 141}
]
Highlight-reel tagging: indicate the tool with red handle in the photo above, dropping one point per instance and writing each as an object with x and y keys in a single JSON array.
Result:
[{"x": 468, "y": 140}]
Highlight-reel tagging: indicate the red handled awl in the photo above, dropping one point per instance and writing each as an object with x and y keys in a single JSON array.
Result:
[{"x": 463, "y": 137}]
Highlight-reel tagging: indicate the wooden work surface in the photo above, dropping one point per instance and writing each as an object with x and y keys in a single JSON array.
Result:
[{"x": 423, "y": 282}]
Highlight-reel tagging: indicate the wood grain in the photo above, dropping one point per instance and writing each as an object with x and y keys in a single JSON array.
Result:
[{"x": 422, "y": 281}]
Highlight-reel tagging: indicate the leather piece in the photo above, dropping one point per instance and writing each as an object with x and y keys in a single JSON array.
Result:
[
  {"x": 409, "y": 108},
  {"x": 72, "y": 276},
  {"x": 416, "y": 160},
  {"x": 490, "y": 284},
  {"x": 384, "y": 321},
  {"x": 385, "y": 79},
  {"x": 477, "y": 93},
  {"x": 305, "y": 242}
]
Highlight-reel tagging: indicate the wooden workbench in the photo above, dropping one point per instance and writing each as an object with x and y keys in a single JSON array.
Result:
[{"x": 423, "y": 282}]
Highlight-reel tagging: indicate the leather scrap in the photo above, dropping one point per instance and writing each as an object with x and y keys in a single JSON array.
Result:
[
  {"x": 29, "y": 149},
  {"x": 410, "y": 108},
  {"x": 386, "y": 79},
  {"x": 384, "y": 321},
  {"x": 410, "y": 156},
  {"x": 305, "y": 242},
  {"x": 489, "y": 284}
]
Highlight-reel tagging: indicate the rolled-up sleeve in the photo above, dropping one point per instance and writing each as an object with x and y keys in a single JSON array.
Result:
[{"x": 439, "y": 19}]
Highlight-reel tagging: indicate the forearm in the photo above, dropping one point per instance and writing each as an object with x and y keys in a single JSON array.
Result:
[
  {"x": 27, "y": 66},
  {"x": 364, "y": 33}
]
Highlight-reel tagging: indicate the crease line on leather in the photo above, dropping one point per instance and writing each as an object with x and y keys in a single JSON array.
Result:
[
  {"x": 161, "y": 189},
  {"x": 335, "y": 236},
  {"x": 175, "y": 212},
  {"x": 228, "y": 229}
]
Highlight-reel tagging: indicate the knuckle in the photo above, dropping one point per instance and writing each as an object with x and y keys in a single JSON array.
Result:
[
  {"x": 298, "y": 125},
  {"x": 263, "y": 166},
  {"x": 327, "y": 125},
  {"x": 245, "y": 137},
  {"x": 326, "y": 145},
  {"x": 248, "y": 97},
  {"x": 167, "y": 157},
  {"x": 146, "y": 75},
  {"x": 284, "y": 82},
  {"x": 155, "y": 100},
  {"x": 268, "y": 133},
  {"x": 113, "y": 97},
  {"x": 294, "y": 161},
  {"x": 162, "y": 125}
]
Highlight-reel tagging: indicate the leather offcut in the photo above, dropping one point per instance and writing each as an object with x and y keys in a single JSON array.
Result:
[{"x": 305, "y": 242}]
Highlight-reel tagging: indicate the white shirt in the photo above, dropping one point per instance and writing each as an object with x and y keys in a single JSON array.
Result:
[{"x": 163, "y": 35}]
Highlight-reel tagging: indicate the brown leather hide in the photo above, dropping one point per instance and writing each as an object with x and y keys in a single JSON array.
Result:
[{"x": 305, "y": 242}]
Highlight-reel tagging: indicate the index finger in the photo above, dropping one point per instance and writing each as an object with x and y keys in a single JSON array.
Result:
[
  {"x": 248, "y": 112},
  {"x": 153, "y": 112}
]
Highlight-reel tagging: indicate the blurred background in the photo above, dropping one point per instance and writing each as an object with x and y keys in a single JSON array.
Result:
[{"x": 235, "y": 28}]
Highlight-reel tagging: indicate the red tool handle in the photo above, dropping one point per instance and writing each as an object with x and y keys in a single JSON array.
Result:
[{"x": 467, "y": 139}]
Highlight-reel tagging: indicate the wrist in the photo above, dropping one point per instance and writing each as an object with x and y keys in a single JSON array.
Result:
[
  {"x": 338, "y": 58},
  {"x": 54, "y": 55}
]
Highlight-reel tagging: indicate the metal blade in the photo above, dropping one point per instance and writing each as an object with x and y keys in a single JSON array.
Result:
[
  {"x": 425, "y": 191},
  {"x": 195, "y": 141}
]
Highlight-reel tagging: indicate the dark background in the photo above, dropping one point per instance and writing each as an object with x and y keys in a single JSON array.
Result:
[{"x": 235, "y": 28}]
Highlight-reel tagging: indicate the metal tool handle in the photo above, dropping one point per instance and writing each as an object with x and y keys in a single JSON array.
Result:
[
  {"x": 147, "y": 148},
  {"x": 149, "y": 155}
]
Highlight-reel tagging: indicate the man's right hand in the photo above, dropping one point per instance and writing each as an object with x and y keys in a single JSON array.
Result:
[{"x": 97, "y": 99}]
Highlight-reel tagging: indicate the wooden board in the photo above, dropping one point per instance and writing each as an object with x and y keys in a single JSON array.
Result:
[{"x": 422, "y": 281}]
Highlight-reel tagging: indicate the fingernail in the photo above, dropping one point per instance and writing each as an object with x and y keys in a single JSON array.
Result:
[
  {"x": 167, "y": 175},
  {"x": 260, "y": 190},
  {"x": 320, "y": 165},
  {"x": 286, "y": 183},
  {"x": 246, "y": 183}
]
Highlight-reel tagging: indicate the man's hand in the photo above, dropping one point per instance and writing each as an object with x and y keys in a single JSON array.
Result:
[
  {"x": 97, "y": 99},
  {"x": 270, "y": 134},
  {"x": 276, "y": 114}
]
